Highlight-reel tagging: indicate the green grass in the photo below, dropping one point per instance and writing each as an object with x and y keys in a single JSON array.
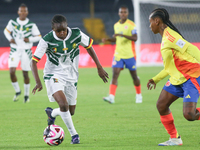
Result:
[{"x": 124, "y": 125}]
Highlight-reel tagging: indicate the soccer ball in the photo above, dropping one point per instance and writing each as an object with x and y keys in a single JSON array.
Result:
[{"x": 55, "y": 135}]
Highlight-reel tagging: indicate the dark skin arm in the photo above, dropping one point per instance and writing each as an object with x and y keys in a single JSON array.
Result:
[
  {"x": 38, "y": 86},
  {"x": 26, "y": 40},
  {"x": 132, "y": 38},
  {"x": 109, "y": 40},
  {"x": 12, "y": 41},
  {"x": 102, "y": 73}
]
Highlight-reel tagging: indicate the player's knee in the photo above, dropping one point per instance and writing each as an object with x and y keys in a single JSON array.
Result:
[
  {"x": 25, "y": 75},
  {"x": 63, "y": 107},
  {"x": 161, "y": 107},
  {"x": 12, "y": 73},
  {"x": 189, "y": 116}
]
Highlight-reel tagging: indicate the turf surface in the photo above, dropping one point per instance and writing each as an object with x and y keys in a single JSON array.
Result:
[{"x": 124, "y": 125}]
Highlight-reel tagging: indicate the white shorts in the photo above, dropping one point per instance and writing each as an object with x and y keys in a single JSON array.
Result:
[
  {"x": 22, "y": 55},
  {"x": 69, "y": 89}
]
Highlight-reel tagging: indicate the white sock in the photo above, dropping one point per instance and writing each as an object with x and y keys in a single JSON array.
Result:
[
  {"x": 26, "y": 89},
  {"x": 16, "y": 86},
  {"x": 55, "y": 112},
  {"x": 67, "y": 119},
  {"x": 139, "y": 95},
  {"x": 111, "y": 96}
]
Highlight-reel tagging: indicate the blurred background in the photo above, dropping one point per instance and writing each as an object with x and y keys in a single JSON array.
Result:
[
  {"x": 97, "y": 17},
  {"x": 93, "y": 17}
]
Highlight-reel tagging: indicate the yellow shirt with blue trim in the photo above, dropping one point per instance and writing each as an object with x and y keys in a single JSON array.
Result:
[
  {"x": 178, "y": 58},
  {"x": 125, "y": 48}
]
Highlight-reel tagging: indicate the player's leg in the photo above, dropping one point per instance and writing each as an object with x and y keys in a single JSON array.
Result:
[
  {"x": 131, "y": 65},
  {"x": 13, "y": 62},
  {"x": 26, "y": 86},
  {"x": 137, "y": 85},
  {"x": 117, "y": 66},
  {"x": 25, "y": 65},
  {"x": 72, "y": 109},
  {"x": 167, "y": 96},
  {"x": 64, "y": 112},
  {"x": 191, "y": 95},
  {"x": 55, "y": 89},
  {"x": 70, "y": 91},
  {"x": 113, "y": 86}
]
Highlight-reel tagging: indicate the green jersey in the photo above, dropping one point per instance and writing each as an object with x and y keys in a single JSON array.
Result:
[{"x": 62, "y": 55}]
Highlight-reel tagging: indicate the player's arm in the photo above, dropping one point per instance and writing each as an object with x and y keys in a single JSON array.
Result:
[
  {"x": 36, "y": 35},
  {"x": 34, "y": 69},
  {"x": 102, "y": 73},
  {"x": 152, "y": 82},
  {"x": 132, "y": 38},
  {"x": 194, "y": 52},
  {"x": 40, "y": 51},
  {"x": 7, "y": 32},
  {"x": 161, "y": 75},
  {"x": 87, "y": 43},
  {"x": 113, "y": 39}
]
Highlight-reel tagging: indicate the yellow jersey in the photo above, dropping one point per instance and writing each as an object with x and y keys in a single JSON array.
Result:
[
  {"x": 178, "y": 62},
  {"x": 125, "y": 48}
]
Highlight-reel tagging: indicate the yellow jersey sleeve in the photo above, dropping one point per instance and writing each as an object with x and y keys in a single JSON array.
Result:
[
  {"x": 194, "y": 52},
  {"x": 161, "y": 75}
]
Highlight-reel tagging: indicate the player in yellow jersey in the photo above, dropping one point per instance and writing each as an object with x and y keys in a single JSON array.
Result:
[
  {"x": 181, "y": 62},
  {"x": 125, "y": 37}
]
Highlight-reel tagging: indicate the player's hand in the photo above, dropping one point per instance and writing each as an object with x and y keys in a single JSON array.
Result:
[
  {"x": 12, "y": 41},
  {"x": 38, "y": 88},
  {"x": 151, "y": 84},
  {"x": 26, "y": 40},
  {"x": 103, "y": 74}
]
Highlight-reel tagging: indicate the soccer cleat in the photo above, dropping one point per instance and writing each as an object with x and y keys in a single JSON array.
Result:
[
  {"x": 50, "y": 119},
  {"x": 172, "y": 142},
  {"x": 46, "y": 132},
  {"x": 75, "y": 139},
  {"x": 16, "y": 97},
  {"x": 26, "y": 99},
  {"x": 109, "y": 99},
  {"x": 138, "y": 98}
]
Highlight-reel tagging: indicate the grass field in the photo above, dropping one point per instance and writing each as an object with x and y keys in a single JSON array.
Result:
[{"x": 124, "y": 125}]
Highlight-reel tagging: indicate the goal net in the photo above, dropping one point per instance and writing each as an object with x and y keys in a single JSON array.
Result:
[{"x": 185, "y": 15}]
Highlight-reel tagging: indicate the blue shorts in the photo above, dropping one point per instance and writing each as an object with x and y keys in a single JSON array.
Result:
[
  {"x": 189, "y": 90},
  {"x": 128, "y": 63}
]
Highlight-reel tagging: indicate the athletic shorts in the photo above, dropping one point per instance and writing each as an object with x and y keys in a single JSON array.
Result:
[
  {"x": 69, "y": 89},
  {"x": 127, "y": 63},
  {"x": 189, "y": 90},
  {"x": 17, "y": 55}
]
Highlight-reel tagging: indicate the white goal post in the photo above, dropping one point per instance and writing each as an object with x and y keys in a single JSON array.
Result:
[{"x": 184, "y": 14}]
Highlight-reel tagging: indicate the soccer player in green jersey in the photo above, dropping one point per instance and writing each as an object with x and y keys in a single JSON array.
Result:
[
  {"x": 61, "y": 46},
  {"x": 125, "y": 37},
  {"x": 21, "y": 33}
]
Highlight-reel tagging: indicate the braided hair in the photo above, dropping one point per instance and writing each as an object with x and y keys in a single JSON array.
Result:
[
  {"x": 164, "y": 16},
  {"x": 58, "y": 19}
]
